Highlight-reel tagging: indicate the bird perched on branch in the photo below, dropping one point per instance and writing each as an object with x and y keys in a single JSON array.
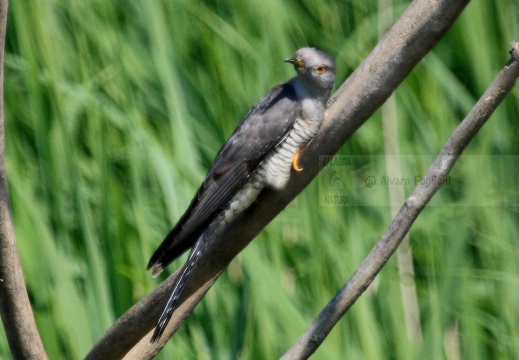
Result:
[{"x": 260, "y": 153}]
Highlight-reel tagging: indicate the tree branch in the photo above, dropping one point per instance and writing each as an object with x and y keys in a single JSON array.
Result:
[
  {"x": 432, "y": 182},
  {"x": 15, "y": 307},
  {"x": 422, "y": 25}
]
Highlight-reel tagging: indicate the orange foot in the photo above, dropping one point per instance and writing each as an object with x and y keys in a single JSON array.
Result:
[{"x": 295, "y": 160}]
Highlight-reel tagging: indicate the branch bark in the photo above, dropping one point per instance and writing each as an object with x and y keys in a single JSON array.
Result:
[
  {"x": 15, "y": 307},
  {"x": 422, "y": 194},
  {"x": 422, "y": 25}
]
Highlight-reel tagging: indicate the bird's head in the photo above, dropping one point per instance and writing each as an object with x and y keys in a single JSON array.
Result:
[{"x": 315, "y": 67}]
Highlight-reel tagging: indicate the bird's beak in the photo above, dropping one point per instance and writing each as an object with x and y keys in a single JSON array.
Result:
[{"x": 297, "y": 61}]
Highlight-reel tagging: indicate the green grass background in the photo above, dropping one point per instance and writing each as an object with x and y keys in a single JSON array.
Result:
[{"x": 115, "y": 109}]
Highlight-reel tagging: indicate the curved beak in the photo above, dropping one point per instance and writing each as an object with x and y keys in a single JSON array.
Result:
[{"x": 297, "y": 61}]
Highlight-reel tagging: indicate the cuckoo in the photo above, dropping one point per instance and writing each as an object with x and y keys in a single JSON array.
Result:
[{"x": 261, "y": 152}]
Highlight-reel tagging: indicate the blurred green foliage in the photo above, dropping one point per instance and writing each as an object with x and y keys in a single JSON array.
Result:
[{"x": 115, "y": 109}]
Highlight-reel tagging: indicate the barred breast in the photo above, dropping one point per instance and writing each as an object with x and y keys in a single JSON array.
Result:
[{"x": 276, "y": 167}]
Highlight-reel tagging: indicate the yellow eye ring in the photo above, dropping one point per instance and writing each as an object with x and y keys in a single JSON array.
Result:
[{"x": 321, "y": 69}]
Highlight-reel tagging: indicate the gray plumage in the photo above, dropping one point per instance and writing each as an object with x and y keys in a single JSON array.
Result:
[{"x": 258, "y": 154}]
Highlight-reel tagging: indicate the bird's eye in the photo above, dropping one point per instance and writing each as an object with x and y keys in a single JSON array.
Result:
[{"x": 321, "y": 69}]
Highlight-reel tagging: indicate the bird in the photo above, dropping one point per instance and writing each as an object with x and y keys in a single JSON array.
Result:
[{"x": 260, "y": 153}]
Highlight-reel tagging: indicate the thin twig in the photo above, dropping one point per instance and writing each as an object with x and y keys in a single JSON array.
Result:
[
  {"x": 433, "y": 181},
  {"x": 15, "y": 307},
  {"x": 412, "y": 37}
]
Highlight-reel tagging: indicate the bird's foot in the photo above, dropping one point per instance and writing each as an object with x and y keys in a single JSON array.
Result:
[{"x": 295, "y": 160}]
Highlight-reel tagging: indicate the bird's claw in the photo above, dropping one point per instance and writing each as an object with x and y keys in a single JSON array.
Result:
[{"x": 295, "y": 160}]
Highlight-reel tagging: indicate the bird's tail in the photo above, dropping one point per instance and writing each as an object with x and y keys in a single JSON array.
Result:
[
  {"x": 187, "y": 270},
  {"x": 180, "y": 285}
]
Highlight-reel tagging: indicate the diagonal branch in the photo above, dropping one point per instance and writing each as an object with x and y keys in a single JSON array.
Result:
[
  {"x": 422, "y": 25},
  {"x": 15, "y": 307},
  {"x": 422, "y": 194}
]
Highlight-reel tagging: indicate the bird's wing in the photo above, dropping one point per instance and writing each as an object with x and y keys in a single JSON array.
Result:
[{"x": 266, "y": 124}]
